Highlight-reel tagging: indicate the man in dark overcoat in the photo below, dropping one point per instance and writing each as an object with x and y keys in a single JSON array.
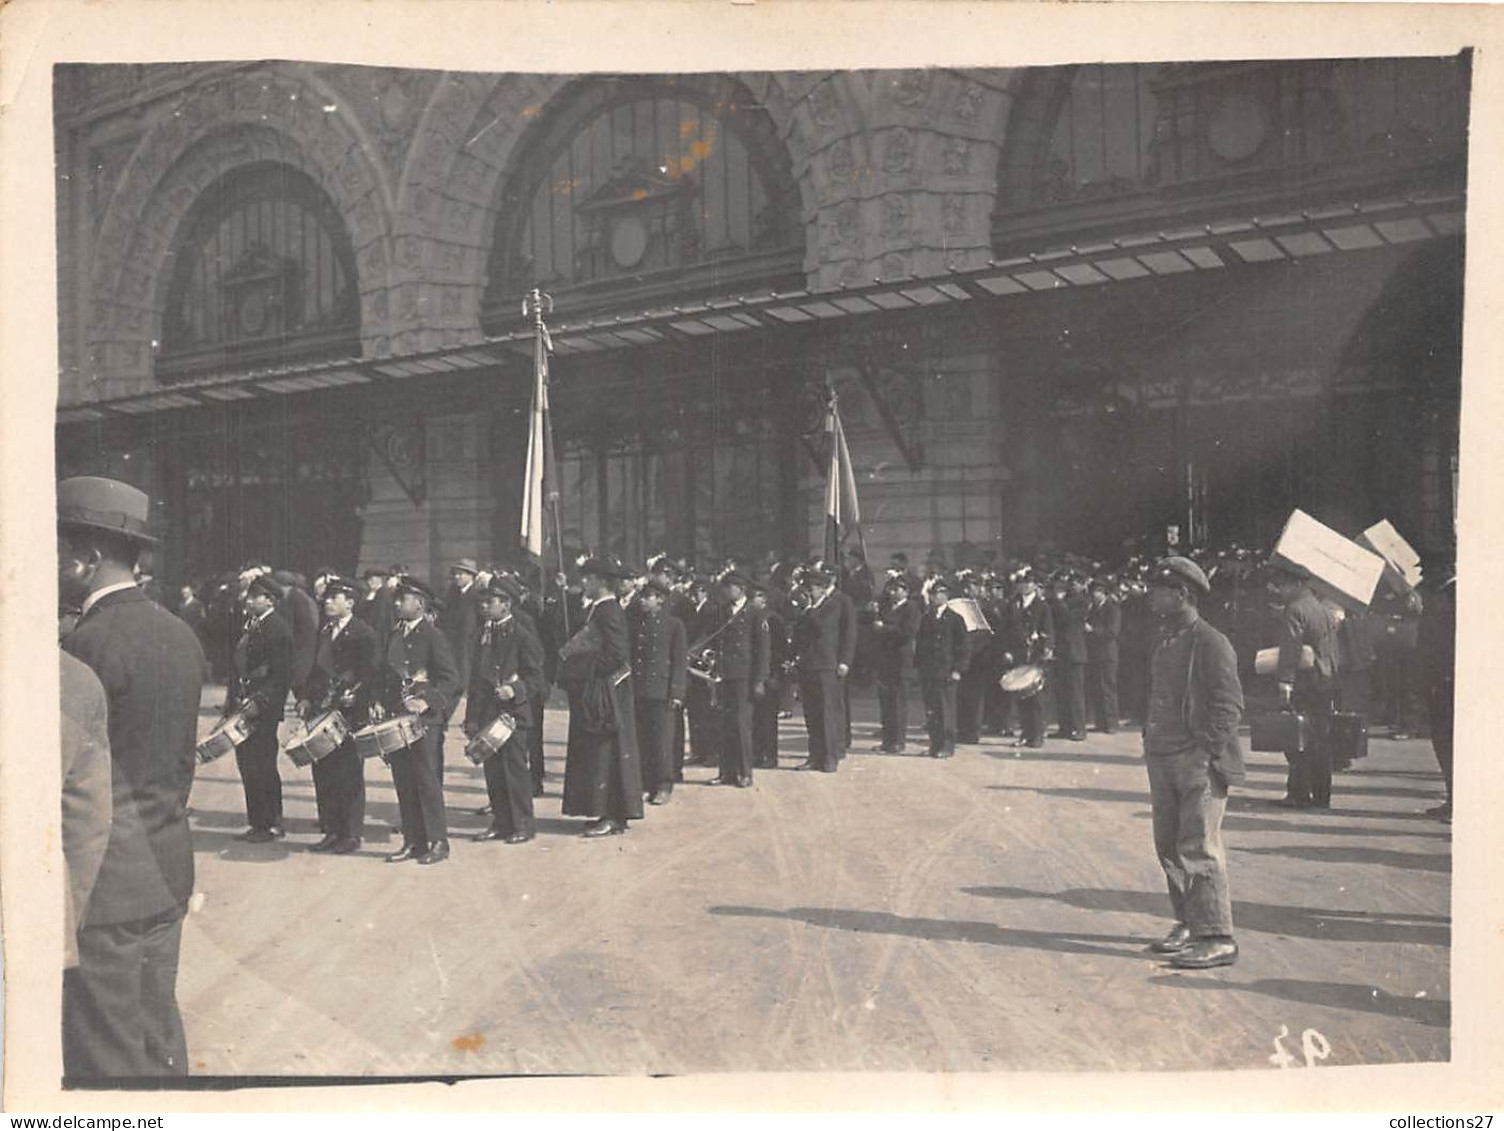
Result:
[
  {"x": 1306, "y": 622},
  {"x": 1192, "y": 753},
  {"x": 1031, "y": 635},
  {"x": 765, "y": 709},
  {"x": 703, "y": 731},
  {"x": 825, "y": 646},
  {"x": 506, "y": 677},
  {"x": 894, "y": 633},
  {"x": 971, "y": 694},
  {"x": 419, "y": 677},
  {"x": 602, "y": 767},
  {"x": 942, "y": 653},
  {"x": 1071, "y": 657},
  {"x": 1104, "y": 624},
  {"x": 742, "y": 644},
  {"x": 259, "y": 687},
  {"x": 345, "y": 677},
  {"x": 659, "y": 671},
  {"x": 301, "y": 613},
  {"x": 120, "y": 1012}
]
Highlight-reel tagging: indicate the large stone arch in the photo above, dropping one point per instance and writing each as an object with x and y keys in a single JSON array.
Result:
[{"x": 264, "y": 114}]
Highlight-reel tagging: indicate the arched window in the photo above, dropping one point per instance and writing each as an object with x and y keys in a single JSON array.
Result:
[
  {"x": 669, "y": 184},
  {"x": 262, "y": 273}
]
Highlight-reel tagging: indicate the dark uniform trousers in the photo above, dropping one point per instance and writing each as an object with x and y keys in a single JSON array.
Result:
[
  {"x": 1102, "y": 674},
  {"x": 535, "y": 743},
  {"x": 1070, "y": 696},
  {"x": 257, "y": 759},
  {"x": 704, "y": 724},
  {"x": 893, "y": 703},
  {"x": 420, "y": 796},
  {"x": 1309, "y": 780},
  {"x": 940, "y": 697},
  {"x": 736, "y": 729},
  {"x": 339, "y": 789},
  {"x": 765, "y": 726},
  {"x": 662, "y": 765},
  {"x": 509, "y": 785},
  {"x": 971, "y": 693},
  {"x": 1440, "y": 709},
  {"x": 120, "y": 1011},
  {"x": 824, "y": 717}
]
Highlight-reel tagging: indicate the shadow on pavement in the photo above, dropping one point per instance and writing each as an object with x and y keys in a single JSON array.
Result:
[
  {"x": 1266, "y": 918},
  {"x": 1339, "y": 995},
  {"x": 948, "y": 930},
  {"x": 1325, "y": 854},
  {"x": 1322, "y": 827}
]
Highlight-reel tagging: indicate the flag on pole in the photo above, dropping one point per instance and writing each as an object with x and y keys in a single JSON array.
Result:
[
  {"x": 538, "y": 453},
  {"x": 843, "y": 514}
]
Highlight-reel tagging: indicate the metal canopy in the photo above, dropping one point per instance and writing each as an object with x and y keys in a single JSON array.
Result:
[{"x": 1210, "y": 247}]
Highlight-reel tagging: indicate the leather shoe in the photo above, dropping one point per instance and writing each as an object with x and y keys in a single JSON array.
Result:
[
  {"x": 1173, "y": 943},
  {"x": 722, "y": 781},
  {"x": 660, "y": 796},
  {"x": 807, "y": 766},
  {"x": 744, "y": 782},
  {"x": 518, "y": 838},
  {"x": 538, "y": 789},
  {"x": 325, "y": 845},
  {"x": 1291, "y": 803},
  {"x": 439, "y": 851},
  {"x": 407, "y": 852},
  {"x": 483, "y": 811},
  {"x": 1203, "y": 954},
  {"x": 487, "y": 834},
  {"x": 604, "y": 827},
  {"x": 346, "y": 846},
  {"x": 261, "y": 836}
]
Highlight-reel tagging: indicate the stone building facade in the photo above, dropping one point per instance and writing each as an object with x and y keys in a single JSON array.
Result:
[{"x": 1069, "y": 305}]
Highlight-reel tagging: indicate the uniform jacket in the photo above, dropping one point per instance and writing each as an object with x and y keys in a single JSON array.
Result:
[
  {"x": 1031, "y": 631},
  {"x": 500, "y": 654},
  {"x": 263, "y": 669},
  {"x": 896, "y": 635},
  {"x": 825, "y": 636},
  {"x": 742, "y": 644},
  {"x": 1212, "y": 699},
  {"x": 778, "y": 643},
  {"x": 339, "y": 665},
  {"x": 943, "y": 645},
  {"x": 424, "y": 657},
  {"x": 1070, "y": 629},
  {"x": 302, "y": 616},
  {"x": 1106, "y": 621},
  {"x": 659, "y": 645},
  {"x": 153, "y": 672},
  {"x": 1307, "y": 621},
  {"x": 87, "y": 804},
  {"x": 460, "y": 622}
]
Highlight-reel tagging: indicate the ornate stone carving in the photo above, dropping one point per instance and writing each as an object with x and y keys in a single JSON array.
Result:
[
  {"x": 898, "y": 152},
  {"x": 911, "y": 88},
  {"x": 953, "y": 214},
  {"x": 955, "y": 157},
  {"x": 895, "y": 216},
  {"x": 825, "y": 104},
  {"x": 969, "y": 102},
  {"x": 841, "y": 163}
]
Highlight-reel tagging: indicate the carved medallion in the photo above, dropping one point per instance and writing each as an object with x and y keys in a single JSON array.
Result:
[{"x": 898, "y": 155}]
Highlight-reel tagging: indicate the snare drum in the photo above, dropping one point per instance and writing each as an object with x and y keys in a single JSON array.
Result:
[
  {"x": 491, "y": 739},
  {"x": 391, "y": 736},
  {"x": 1024, "y": 680},
  {"x": 321, "y": 738},
  {"x": 230, "y": 733}
]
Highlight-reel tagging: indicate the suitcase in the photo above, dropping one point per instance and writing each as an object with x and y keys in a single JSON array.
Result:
[
  {"x": 1349, "y": 737},
  {"x": 1282, "y": 732}
]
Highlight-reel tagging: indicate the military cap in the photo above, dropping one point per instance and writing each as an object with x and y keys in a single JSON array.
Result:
[
  {"x": 1176, "y": 570},
  {"x": 501, "y": 585},
  {"x": 374, "y": 571},
  {"x": 654, "y": 587},
  {"x": 406, "y": 583},
  {"x": 263, "y": 584},
  {"x": 897, "y": 579},
  {"x": 941, "y": 581},
  {"x": 334, "y": 583},
  {"x": 609, "y": 568},
  {"x": 734, "y": 577},
  {"x": 818, "y": 573},
  {"x": 1103, "y": 581}
]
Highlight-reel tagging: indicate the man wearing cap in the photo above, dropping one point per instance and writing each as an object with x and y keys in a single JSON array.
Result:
[
  {"x": 120, "y": 1013},
  {"x": 895, "y": 631},
  {"x": 742, "y": 642},
  {"x": 1192, "y": 753},
  {"x": 1069, "y": 611},
  {"x": 602, "y": 769},
  {"x": 258, "y": 689},
  {"x": 703, "y": 721},
  {"x": 459, "y": 620},
  {"x": 971, "y": 693},
  {"x": 346, "y": 671},
  {"x": 825, "y": 643},
  {"x": 1104, "y": 623},
  {"x": 941, "y": 655},
  {"x": 506, "y": 676},
  {"x": 658, "y": 675},
  {"x": 765, "y": 709},
  {"x": 1031, "y": 640},
  {"x": 1305, "y": 621},
  {"x": 419, "y": 677}
]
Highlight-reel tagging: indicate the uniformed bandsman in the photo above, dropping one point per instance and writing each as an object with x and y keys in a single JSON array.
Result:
[
  {"x": 346, "y": 671},
  {"x": 825, "y": 644},
  {"x": 742, "y": 645},
  {"x": 942, "y": 654},
  {"x": 263, "y": 676},
  {"x": 1104, "y": 624},
  {"x": 659, "y": 672},
  {"x": 895, "y": 631}
]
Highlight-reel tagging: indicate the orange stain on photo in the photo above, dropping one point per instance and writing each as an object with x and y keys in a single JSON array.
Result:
[{"x": 469, "y": 1044}]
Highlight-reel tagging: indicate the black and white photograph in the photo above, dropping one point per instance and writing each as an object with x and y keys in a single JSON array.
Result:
[{"x": 685, "y": 571}]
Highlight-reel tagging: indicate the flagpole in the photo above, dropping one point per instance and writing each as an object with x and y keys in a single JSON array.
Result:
[{"x": 541, "y": 474}]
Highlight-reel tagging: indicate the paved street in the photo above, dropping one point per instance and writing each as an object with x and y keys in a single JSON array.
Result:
[{"x": 988, "y": 912}]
